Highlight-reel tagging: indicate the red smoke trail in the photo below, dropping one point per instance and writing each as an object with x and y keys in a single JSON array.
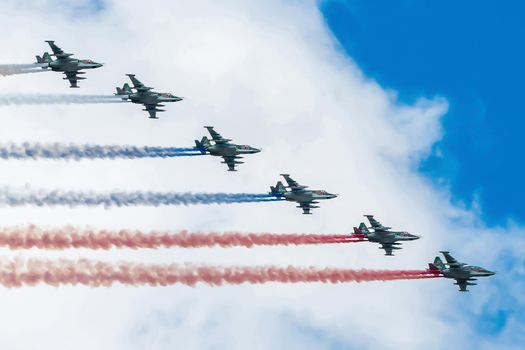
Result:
[
  {"x": 20, "y": 272},
  {"x": 71, "y": 237}
]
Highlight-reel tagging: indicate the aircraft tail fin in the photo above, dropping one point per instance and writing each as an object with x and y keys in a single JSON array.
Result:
[
  {"x": 202, "y": 145},
  {"x": 125, "y": 90},
  {"x": 363, "y": 229},
  {"x": 438, "y": 263},
  {"x": 46, "y": 58},
  {"x": 278, "y": 190}
]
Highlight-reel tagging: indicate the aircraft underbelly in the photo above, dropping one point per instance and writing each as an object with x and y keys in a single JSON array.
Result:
[
  {"x": 297, "y": 197},
  {"x": 379, "y": 239},
  {"x": 67, "y": 67},
  {"x": 457, "y": 274},
  {"x": 222, "y": 151}
]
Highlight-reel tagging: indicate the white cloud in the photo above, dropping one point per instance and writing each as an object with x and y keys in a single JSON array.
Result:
[{"x": 267, "y": 73}]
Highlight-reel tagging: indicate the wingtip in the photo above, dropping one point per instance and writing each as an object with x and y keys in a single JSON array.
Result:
[{"x": 130, "y": 74}]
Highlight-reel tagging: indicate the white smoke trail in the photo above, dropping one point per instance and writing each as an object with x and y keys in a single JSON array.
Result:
[
  {"x": 42, "y": 99},
  {"x": 11, "y": 69}
]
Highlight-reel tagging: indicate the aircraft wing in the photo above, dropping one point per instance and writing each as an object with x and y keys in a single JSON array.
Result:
[
  {"x": 462, "y": 284},
  {"x": 217, "y": 138},
  {"x": 373, "y": 222},
  {"x": 294, "y": 185},
  {"x": 152, "y": 110},
  {"x": 73, "y": 78},
  {"x": 57, "y": 51},
  {"x": 451, "y": 261},
  {"x": 306, "y": 207},
  {"x": 389, "y": 248},
  {"x": 137, "y": 84},
  {"x": 231, "y": 161}
]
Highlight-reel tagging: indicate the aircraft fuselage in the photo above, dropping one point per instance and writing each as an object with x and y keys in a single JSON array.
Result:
[
  {"x": 307, "y": 196},
  {"x": 72, "y": 65},
  {"x": 390, "y": 236},
  {"x": 466, "y": 272},
  {"x": 152, "y": 98},
  {"x": 231, "y": 150}
]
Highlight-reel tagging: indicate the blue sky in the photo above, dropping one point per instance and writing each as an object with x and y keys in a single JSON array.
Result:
[{"x": 470, "y": 52}]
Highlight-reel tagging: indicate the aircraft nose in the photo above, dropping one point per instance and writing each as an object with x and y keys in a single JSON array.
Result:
[
  {"x": 331, "y": 195},
  {"x": 98, "y": 65},
  {"x": 256, "y": 150},
  {"x": 491, "y": 273}
]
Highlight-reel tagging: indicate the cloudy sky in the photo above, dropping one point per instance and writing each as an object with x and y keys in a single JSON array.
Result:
[{"x": 404, "y": 110}]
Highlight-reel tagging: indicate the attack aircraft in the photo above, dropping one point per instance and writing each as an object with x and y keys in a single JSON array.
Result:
[
  {"x": 222, "y": 147},
  {"x": 388, "y": 239},
  {"x": 65, "y": 63},
  {"x": 463, "y": 274},
  {"x": 300, "y": 194},
  {"x": 145, "y": 95}
]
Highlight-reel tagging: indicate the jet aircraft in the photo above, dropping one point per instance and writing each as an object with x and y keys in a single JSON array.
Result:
[
  {"x": 463, "y": 274},
  {"x": 388, "y": 239},
  {"x": 146, "y": 96},
  {"x": 65, "y": 63},
  {"x": 300, "y": 194},
  {"x": 222, "y": 147}
]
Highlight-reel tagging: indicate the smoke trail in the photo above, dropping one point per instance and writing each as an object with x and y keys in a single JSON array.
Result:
[
  {"x": 40, "y": 99},
  {"x": 21, "y": 272},
  {"x": 71, "y": 237},
  {"x": 121, "y": 199},
  {"x": 11, "y": 69},
  {"x": 77, "y": 152}
]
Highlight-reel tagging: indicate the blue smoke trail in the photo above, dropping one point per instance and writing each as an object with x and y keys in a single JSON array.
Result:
[
  {"x": 77, "y": 152},
  {"x": 124, "y": 199}
]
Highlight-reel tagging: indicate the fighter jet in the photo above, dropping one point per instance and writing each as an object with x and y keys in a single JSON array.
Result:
[
  {"x": 389, "y": 240},
  {"x": 146, "y": 96},
  {"x": 462, "y": 273},
  {"x": 300, "y": 194},
  {"x": 222, "y": 147},
  {"x": 65, "y": 63}
]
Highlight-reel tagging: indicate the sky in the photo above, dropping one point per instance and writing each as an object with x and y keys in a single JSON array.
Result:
[
  {"x": 469, "y": 52},
  {"x": 303, "y": 81}
]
